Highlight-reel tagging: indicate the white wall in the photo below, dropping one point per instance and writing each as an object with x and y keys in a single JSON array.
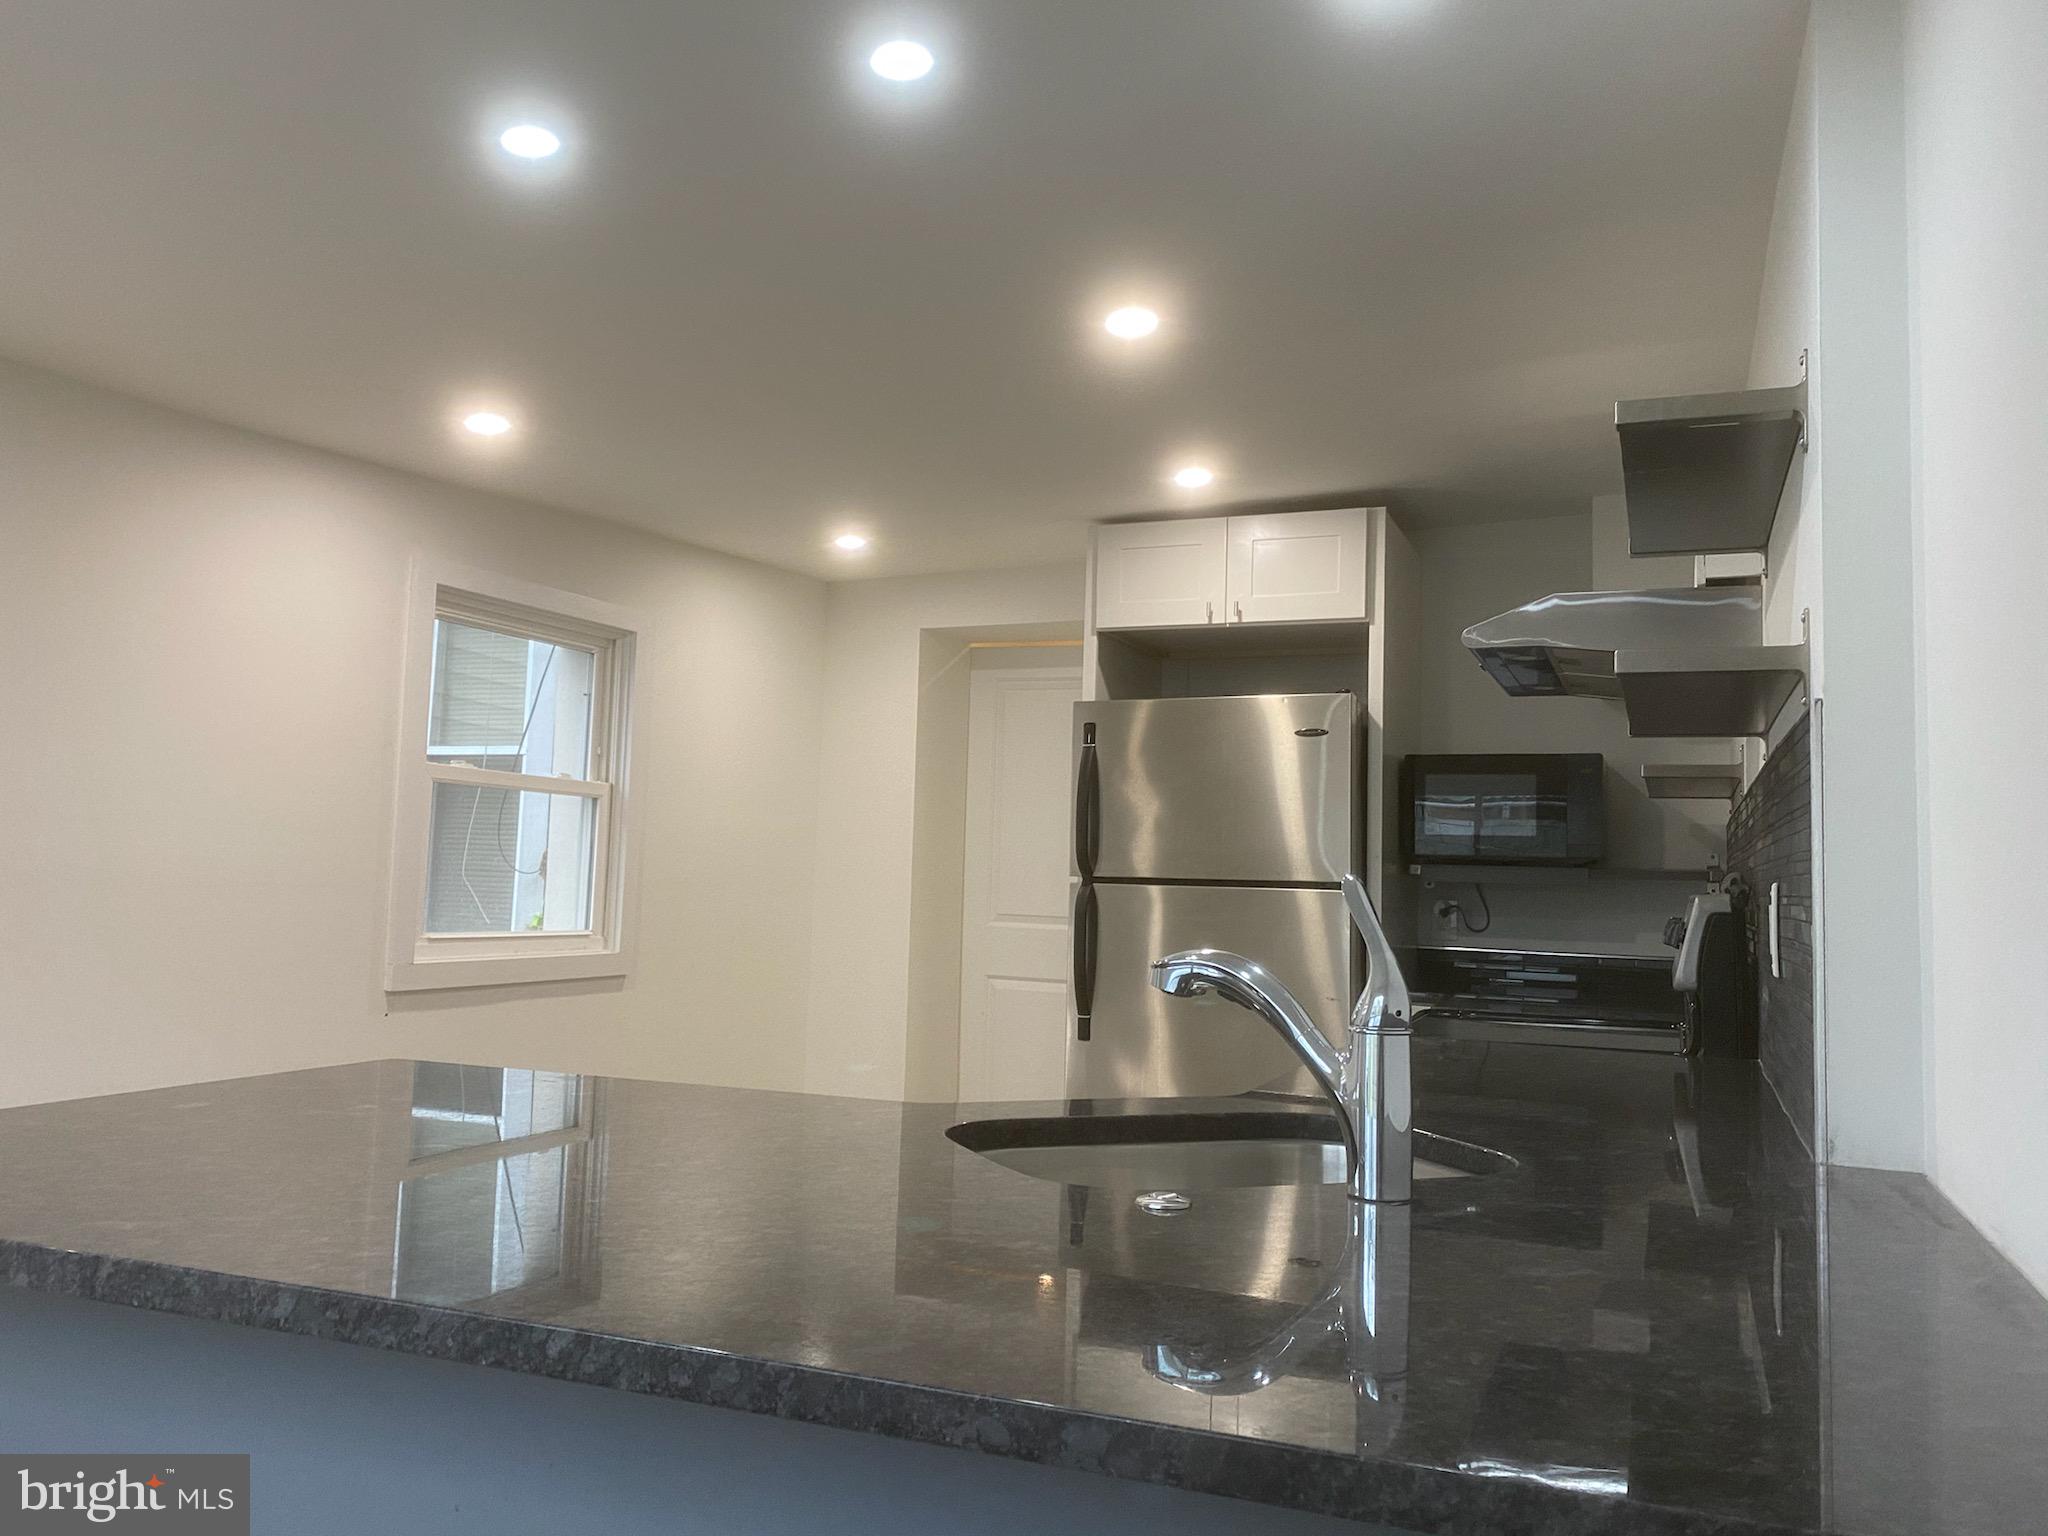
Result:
[
  {"x": 1786, "y": 330},
  {"x": 199, "y": 673},
  {"x": 889, "y": 644},
  {"x": 1834, "y": 287},
  {"x": 1473, "y": 571},
  {"x": 1873, "y": 1064},
  {"x": 1614, "y": 568},
  {"x": 1977, "y": 129}
]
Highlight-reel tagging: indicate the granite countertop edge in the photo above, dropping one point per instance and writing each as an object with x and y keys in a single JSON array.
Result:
[{"x": 1270, "y": 1472}]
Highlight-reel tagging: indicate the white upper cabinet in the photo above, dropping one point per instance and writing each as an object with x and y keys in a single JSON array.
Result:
[
  {"x": 1297, "y": 566},
  {"x": 1278, "y": 567},
  {"x": 1153, "y": 575}
]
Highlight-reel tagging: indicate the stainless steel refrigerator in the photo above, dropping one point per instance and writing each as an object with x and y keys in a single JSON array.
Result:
[{"x": 1221, "y": 823}]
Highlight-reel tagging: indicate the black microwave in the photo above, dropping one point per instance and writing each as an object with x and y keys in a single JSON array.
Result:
[{"x": 1503, "y": 808}]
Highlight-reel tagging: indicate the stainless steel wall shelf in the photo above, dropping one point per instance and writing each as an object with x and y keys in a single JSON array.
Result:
[
  {"x": 1703, "y": 474},
  {"x": 1692, "y": 781},
  {"x": 1730, "y": 690}
]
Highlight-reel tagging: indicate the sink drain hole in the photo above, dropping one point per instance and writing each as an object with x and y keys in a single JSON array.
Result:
[{"x": 1163, "y": 1202}]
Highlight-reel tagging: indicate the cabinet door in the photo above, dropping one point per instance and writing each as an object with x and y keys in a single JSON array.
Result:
[
  {"x": 1152, "y": 574},
  {"x": 1298, "y": 566}
]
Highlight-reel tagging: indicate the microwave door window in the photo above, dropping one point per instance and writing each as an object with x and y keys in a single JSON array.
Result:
[
  {"x": 1503, "y": 808},
  {"x": 1518, "y": 821},
  {"x": 1509, "y": 814},
  {"x": 1489, "y": 816},
  {"x": 1449, "y": 813}
]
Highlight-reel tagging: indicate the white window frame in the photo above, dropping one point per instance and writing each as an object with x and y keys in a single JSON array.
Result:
[{"x": 418, "y": 961}]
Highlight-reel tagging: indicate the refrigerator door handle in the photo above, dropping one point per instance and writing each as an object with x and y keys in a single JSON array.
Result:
[
  {"x": 1086, "y": 938},
  {"x": 1087, "y": 806}
]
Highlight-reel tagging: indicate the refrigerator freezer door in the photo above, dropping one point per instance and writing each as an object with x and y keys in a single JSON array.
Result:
[
  {"x": 1144, "y": 1044},
  {"x": 1258, "y": 789}
]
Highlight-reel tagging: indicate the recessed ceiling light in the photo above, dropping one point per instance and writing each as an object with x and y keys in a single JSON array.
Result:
[
  {"x": 530, "y": 141},
  {"x": 1192, "y": 477},
  {"x": 487, "y": 423},
  {"x": 901, "y": 60},
  {"x": 1131, "y": 322},
  {"x": 850, "y": 542}
]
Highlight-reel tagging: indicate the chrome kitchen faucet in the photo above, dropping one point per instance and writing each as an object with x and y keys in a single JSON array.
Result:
[{"x": 1368, "y": 1081}]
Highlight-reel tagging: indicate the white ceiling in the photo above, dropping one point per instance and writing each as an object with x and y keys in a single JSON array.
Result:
[{"x": 1407, "y": 248}]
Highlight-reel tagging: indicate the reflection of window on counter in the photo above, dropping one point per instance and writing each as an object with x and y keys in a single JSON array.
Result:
[
  {"x": 500, "y": 1197},
  {"x": 455, "y": 1106}
]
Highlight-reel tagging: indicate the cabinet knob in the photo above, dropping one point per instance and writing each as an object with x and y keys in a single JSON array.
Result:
[
  {"x": 1237, "y": 611},
  {"x": 1208, "y": 613}
]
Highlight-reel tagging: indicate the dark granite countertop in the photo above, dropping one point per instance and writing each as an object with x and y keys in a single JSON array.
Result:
[{"x": 1627, "y": 1330}]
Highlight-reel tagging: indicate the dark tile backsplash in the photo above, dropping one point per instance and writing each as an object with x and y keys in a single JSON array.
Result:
[{"x": 1770, "y": 838}]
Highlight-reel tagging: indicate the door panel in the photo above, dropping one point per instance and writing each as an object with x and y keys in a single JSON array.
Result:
[
  {"x": 1154, "y": 574},
  {"x": 1026, "y": 1055},
  {"x": 1144, "y": 1044},
  {"x": 1014, "y": 939},
  {"x": 1298, "y": 566},
  {"x": 1260, "y": 789}
]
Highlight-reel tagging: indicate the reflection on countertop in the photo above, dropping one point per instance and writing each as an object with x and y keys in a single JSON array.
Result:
[{"x": 1624, "y": 1328}]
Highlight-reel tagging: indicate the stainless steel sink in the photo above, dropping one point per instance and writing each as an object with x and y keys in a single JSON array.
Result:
[{"x": 1197, "y": 1150}]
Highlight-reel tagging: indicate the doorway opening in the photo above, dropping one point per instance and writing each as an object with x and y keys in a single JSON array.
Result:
[{"x": 990, "y": 887}]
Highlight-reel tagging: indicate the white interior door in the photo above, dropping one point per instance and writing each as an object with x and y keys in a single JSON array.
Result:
[{"x": 1014, "y": 948}]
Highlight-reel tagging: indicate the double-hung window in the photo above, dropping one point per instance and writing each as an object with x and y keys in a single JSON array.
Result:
[{"x": 512, "y": 808}]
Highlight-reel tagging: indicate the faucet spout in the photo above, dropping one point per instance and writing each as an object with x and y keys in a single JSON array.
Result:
[
  {"x": 1199, "y": 972},
  {"x": 1368, "y": 1081}
]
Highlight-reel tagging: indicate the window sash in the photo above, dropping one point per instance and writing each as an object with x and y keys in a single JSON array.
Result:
[
  {"x": 455, "y": 942},
  {"x": 451, "y": 943},
  {"x": 519, "y": 623}
]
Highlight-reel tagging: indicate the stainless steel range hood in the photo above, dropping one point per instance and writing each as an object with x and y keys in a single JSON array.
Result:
[{"x": 1684, "y": 661}]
